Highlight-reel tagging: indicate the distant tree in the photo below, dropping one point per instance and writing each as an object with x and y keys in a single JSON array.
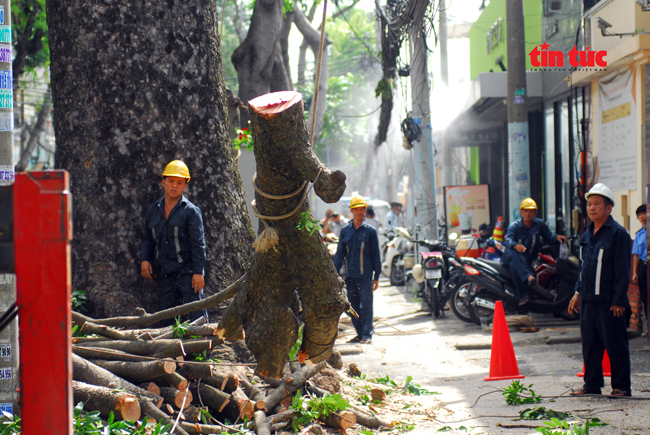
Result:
[{"x": 136, "y": 85}]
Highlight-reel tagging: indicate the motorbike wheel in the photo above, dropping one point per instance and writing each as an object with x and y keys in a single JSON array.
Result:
[
  {"x": 554, "y": 284},
  {"x": 396, "y": 273},
  {"x": 566, "y": 316},
  {"x": 476, "y": 312},
  {"x": 457, "y": 298}
]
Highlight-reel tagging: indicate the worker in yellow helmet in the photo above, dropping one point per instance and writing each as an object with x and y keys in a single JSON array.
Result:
[
  {"x": 174, "y": 241},
  {"x": 524, "y": 238},
  {"x": 359, "y": 244}
]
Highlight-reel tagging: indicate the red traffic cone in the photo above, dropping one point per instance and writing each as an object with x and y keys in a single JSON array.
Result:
[
  {"x": 503, "y": 362},
  {"x": 607, "y": 367}
]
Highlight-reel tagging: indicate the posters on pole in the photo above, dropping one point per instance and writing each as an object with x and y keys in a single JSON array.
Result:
[
  {"x": 519, "y": 167},
  {"x": 466, "y": 208},
  {"x": 617, "y": 150}
]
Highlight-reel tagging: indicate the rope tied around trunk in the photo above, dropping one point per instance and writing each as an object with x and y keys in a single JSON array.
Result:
[{"x": 268, "y": 238}]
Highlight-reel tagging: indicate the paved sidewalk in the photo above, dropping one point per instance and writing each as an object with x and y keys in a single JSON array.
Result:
[{"x": 409, "y": 342}]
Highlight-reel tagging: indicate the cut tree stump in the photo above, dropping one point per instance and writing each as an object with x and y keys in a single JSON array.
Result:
[
  {"x": 180, "y": 399},
  {"x": 85, "y": 371},
  {"x": 267, "y": 305},
  {"x": 150, "y": 387},
  {"x": 125, "y": 406},
  {"x": 138, "y": 371}
]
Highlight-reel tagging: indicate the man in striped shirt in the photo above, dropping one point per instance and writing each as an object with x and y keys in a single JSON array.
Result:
[{"x": 601, "y": 295}]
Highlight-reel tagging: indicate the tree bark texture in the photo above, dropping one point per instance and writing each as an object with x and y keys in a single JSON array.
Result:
[
  {"x": 138, "y": 371},
  {"x": 136, "y": 85},
  {"x": 152, "y": 411},
  {"x": 266, "y": 304},
  {"x": 125, "y": 406}
]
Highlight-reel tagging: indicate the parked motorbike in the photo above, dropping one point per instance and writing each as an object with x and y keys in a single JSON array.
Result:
[
  {"x": 396, "y": 257},
  {"x": 492, "y": 281},
  {"x": 439, "y": 273}
]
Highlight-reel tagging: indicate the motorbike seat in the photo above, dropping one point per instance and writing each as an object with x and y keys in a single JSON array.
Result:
[{"x": 503, "y": 270}]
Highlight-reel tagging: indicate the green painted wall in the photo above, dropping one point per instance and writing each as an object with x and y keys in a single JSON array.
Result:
[{"x": 480, "y": 59}]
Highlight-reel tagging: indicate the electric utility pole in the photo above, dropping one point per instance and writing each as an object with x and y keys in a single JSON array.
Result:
[
  {"x": 9, "y": 336},
  {"x": 425, "y": 183},
  {"x": 518, "y": 151}
]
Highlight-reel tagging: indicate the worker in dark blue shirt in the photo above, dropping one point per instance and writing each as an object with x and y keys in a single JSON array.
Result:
[
  {"x": 601, "y": 295},
  {"x": 639, "y": 260},
  {"x": 360, "y": 245},
  {"x": 173, "y": 235},
  {"x": 524, "y": 239}
]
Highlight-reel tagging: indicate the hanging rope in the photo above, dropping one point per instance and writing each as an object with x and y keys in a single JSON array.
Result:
[
  {"x": 317, "y": 85},
  {"x": 268, "y": 238}
]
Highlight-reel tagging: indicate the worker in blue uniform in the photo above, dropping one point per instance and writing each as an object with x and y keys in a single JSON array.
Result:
[
  {"x": 173, "y": 235},
  {"x": 359, "y": 244},
  {"x": 601, "y": 295},
  {"x": 524, "y": 239},
  {"x": 639, "y": 260}
]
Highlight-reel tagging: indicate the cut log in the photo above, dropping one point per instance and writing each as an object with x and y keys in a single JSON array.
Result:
[
  {"x": 145, "y": 319},
  {"x": 125, "y": 406},
  {"x": 224, "y": 381},
  {"x": 174, "y": 380},
  {"x": 196, "y": 371},
  {"x": 367, "y": 420},
  {"x": 155, "y": 349},
  {"x": 85, "y": 371},
  {"x": 138, "y": 371},
  {"x": 278, "y": 427},
  {"x": 151, "y": 387},
  {"x": 192, "y": 414},
  {"x": 290, "y": 384},
  {"x": 283, "y": 416},
  {"x": 210, "y": 396},
  {"x": 340, "y": 420},
  {"x": 180, "y": 399},
  {"x": 262, "y": 426},
  {"x": 91, "y": 353},
  {"x": 152, "y": 411},
  {"x": 106, "y": 331},
  {"x": 251, "y": 390},
  {"x": 198, "y": 429}
]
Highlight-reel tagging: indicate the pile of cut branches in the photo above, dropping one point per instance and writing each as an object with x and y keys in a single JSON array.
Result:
[{"x": 137, "y": 372}]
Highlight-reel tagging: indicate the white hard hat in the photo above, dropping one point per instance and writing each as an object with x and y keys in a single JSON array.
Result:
[
  {"x": 418, "y": 273},
  {"x": 602, "y": 190}
]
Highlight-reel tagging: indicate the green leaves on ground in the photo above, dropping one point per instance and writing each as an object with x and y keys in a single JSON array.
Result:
[
  {"x": 79, "y": 301},
  {"x": 412, "y": 387},
  {"x": 515, "y": 392},
  {"x": 311, "y": 408},
  {"x": 178, "y": 330},
  {"x": 386, "y": 380},
  {"x": 10, "y": 424},
  {"x": 561, "y": 427},
  {"x": 541, "y": 413},
  {"x": 307, "y": 222},
  {"x": 91, "y": 424}
]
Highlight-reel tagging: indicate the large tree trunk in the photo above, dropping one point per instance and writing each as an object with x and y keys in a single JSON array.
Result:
[
  {"x": 136, "y": 85},
  {"x": 266, "y": 304},
  {"x": 260, "y": 53}
]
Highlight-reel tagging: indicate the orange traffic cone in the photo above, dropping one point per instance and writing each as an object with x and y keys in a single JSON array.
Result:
[
  {"x": 607, "y": 367},
  {"x": 503, "y": 363}
]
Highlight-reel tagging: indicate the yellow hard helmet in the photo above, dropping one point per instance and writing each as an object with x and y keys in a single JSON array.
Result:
[
  {"x": 358, "y": 202},
  {"x": 528, "y": 204},
  {"x": 176, "y": 168}
]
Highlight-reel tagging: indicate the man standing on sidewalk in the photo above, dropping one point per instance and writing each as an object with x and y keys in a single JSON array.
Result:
[
  {"x": 360, "y": 245},
  {"x": 639, "y": 261},
  {"x": 173, "y": 235},
  {"x": 601, "y": 295}
]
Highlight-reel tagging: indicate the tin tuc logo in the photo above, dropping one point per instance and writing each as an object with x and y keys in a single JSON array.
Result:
[{"x": 541, "y": 56}]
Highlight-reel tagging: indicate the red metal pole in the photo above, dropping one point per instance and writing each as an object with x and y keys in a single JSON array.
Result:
[{"x": 43, "y": 231}]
